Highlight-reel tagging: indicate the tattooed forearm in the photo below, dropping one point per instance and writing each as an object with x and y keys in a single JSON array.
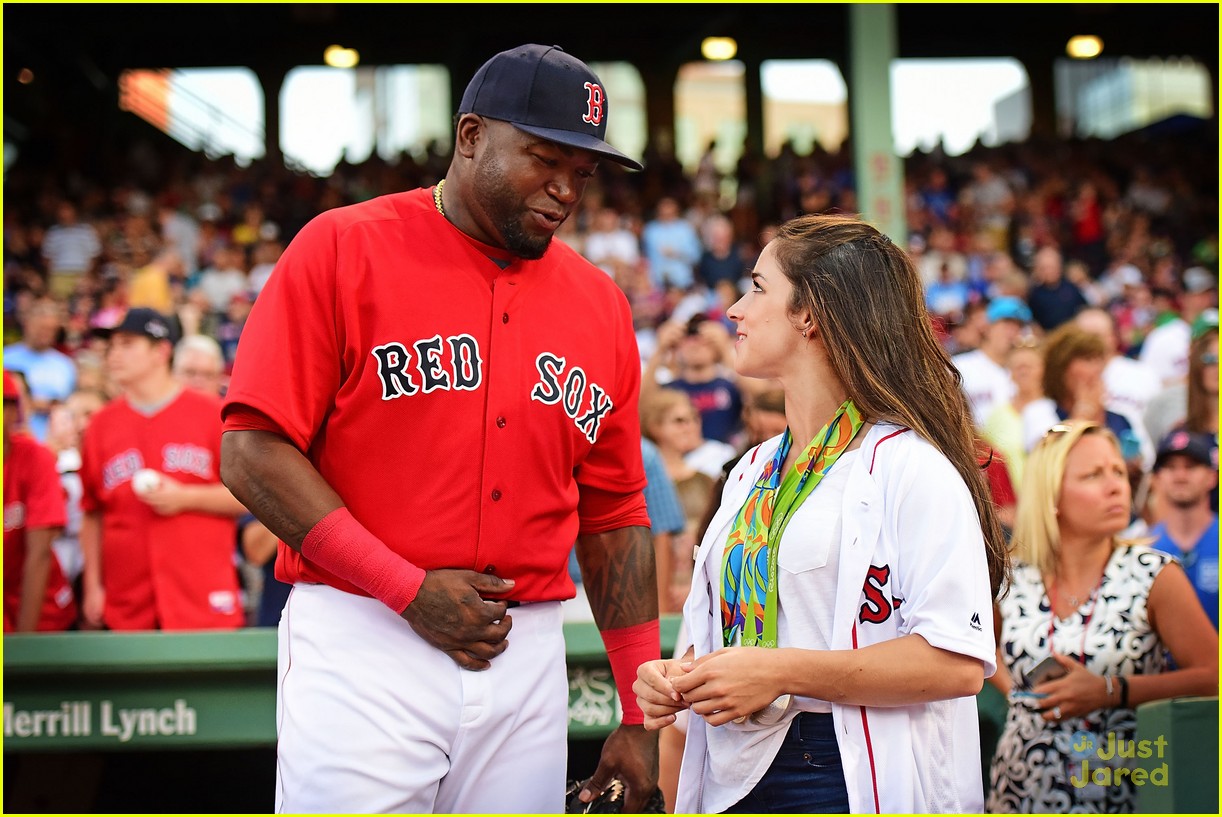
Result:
[
  {"x": 618, "y": 571},
  {"x": 268, "y": 509},
  {"x": 276, "y": 483}
]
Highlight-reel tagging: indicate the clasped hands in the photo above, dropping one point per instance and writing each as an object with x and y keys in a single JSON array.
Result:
[{"x": 731, "y": 683}]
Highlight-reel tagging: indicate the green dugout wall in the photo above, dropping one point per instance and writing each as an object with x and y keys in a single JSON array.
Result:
[{"x": 139, "y": 721}]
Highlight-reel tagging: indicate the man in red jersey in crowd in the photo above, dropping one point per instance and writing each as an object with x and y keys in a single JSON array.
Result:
[
  {"x": 158, "y": 530},
  {"x": 36, "y": 595}
]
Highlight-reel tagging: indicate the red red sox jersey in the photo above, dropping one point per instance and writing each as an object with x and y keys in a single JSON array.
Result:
[
  {"x": 469, "y": 416},
  {"x": 33, "y": 498},
  {"x": 160, "y": 572}
]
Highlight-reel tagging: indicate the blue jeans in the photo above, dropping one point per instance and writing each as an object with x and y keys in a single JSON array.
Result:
[{"x": 806, "y": 777}]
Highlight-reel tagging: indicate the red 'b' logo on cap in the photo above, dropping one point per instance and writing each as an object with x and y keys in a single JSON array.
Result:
[{"x": 595, "y": 104}]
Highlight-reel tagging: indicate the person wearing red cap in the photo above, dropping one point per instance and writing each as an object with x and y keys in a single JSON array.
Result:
[
  {"x": 158, "y": 529},
  {"x": 431, "y": 402},
  {"x": 37, "y": 597}
]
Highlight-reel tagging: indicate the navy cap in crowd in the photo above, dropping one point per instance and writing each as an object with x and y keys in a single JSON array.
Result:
[
  {"x": 547, "y": 93},
  {"x": 1198, "y": 446},
  {"x": 144, "y": 321}
]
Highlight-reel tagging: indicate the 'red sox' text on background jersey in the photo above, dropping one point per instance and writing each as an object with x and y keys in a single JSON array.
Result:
[{"x": 161, "y": 572}]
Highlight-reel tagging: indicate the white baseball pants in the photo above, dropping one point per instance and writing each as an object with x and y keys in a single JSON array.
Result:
[{"x": 372, "y": 719}]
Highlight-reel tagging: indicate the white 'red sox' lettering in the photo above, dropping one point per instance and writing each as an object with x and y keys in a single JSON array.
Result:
[
  {"x": 571, "y": 393},
  {"x": 454, "y": 364}
]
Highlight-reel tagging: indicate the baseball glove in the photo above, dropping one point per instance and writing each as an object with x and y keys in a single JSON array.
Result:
[{"x": 611, "y": 801}]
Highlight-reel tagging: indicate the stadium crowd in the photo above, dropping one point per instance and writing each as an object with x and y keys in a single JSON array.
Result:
[{"x": 1067, "y": 279}]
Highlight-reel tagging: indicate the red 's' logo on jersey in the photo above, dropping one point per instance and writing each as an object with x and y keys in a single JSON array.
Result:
[
  {"x": 596, "y": 104},
  {"x": 877, "y": 608}
]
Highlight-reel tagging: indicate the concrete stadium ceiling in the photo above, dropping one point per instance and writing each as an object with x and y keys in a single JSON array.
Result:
[{"x": 107, "y": 38}]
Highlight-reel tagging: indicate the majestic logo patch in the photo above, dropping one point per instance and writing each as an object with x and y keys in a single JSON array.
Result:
[
  {"x": 572, "y": 390},
  {"x": 596, "y": 104},
  {"x": 975, "y": 622}
]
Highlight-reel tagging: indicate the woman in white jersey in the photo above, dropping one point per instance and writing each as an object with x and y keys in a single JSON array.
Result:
[{"x": 841, "y": 603}]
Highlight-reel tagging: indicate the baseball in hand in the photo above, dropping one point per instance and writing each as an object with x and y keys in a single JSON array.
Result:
[{"x": 145, "y": 480}]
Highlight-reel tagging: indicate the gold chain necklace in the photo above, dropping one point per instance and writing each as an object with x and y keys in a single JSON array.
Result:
[{"x": 437, "y": 197}]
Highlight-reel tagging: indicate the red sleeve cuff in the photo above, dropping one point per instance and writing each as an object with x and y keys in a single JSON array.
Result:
[
  {"x": 240, "y": 417},
  {"x": 601, "y": 511}
]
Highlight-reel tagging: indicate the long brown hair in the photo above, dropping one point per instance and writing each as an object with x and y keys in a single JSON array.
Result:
[{"x": 866, "y": 296}]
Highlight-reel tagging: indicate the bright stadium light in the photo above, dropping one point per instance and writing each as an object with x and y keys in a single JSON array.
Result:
[
  {"x": 1084, "y": 47},
  {"x": 337, "y": 56},
  {"x": 718, "y": 48}
]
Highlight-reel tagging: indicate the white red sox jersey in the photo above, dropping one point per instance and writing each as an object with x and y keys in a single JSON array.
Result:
[
  {"x": 911, "y": 557},
  {"x": 160, "y": 572},
  {"x": 471, "y": 413}
]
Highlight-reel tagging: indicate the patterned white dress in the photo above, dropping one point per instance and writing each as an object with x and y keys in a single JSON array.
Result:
[{"x": 1036, "y": 762}]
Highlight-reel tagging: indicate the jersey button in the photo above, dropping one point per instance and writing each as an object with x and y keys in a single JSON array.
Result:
[
  {"x": 496, "y": 495},
  {"x": 500, "y": 422},
  {"x": 504, "y": 317},
  {"x": 490, "y": 569}
]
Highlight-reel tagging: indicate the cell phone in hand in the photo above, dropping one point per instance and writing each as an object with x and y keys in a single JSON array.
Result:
[{"x": 1046, "y": 670}]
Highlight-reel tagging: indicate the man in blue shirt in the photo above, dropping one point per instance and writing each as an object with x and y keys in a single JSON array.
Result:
[
  {"x": 671, "y": 246},
  {"x": 49, "y": 374},
  {"x": 1185, "y": 471},
  {"x": 666, "y": 521},
  {"x": 700, "y": 371}
]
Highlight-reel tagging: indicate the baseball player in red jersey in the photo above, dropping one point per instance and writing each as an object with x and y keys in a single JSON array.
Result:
[
  {"x": 36, "y": 594},
  {"x": 431, "y": 402},
  {"x": 158, "y": 531}
]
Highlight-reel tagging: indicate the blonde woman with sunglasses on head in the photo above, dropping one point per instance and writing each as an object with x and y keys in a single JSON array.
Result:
[{"x": 1084, "y": 631}]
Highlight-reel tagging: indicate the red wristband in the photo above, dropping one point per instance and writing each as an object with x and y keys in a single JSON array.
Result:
[
  {"x": 344, "y": 547},
  {"x": 627, "y": 649}
]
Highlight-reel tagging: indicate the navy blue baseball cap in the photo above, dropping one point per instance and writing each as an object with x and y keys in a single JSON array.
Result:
[
  {"x": 1195, "y": 445},
  {"x": 143, "y": 321},
  {"x": 545, "y": 92}
]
